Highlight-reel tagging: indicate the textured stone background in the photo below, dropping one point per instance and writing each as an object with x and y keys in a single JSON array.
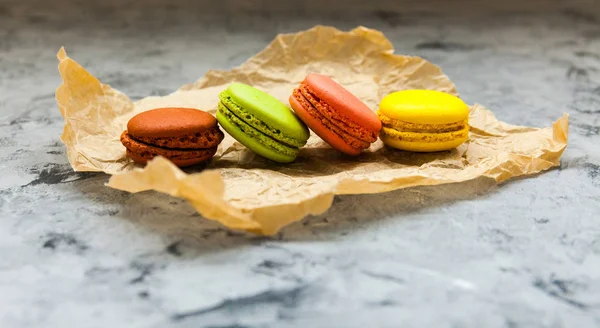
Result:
[{"x": 74, "y": 253}]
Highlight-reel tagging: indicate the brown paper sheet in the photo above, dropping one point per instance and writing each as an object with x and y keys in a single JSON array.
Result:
[{"x": 244, "y": 191}]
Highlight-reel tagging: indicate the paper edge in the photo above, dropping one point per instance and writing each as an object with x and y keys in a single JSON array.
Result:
[
  {"x": 325, "y": 200},
  {"x": 72, "y": 153},
  {"x": 374, "y": 35}
]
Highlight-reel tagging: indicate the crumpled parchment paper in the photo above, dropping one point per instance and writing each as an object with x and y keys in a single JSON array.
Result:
[{"x": 244, "y": 191}]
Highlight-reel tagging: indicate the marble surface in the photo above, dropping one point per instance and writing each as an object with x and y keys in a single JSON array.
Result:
[{"x": 74, "y": 253}]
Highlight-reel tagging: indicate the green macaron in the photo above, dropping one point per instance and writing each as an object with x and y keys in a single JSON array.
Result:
[{"x": 261, "y": 122}]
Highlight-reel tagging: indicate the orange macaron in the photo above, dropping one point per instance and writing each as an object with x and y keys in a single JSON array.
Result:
[
  {"x": 185, "y": 136},
  {"x": 334, "y": 114}
]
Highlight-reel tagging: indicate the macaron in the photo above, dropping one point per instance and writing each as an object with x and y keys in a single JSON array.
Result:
[
  {"x": 423, "y": 120},
  {"x": 261, "y": 123},
  {"x": 334, "y": 114},
  {"x": 185, "y": 136}
]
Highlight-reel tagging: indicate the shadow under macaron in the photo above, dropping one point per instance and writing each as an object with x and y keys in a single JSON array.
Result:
[{"x": 319, "y": 159}]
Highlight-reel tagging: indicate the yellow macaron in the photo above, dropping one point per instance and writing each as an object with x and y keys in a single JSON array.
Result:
[{"x": 423, "y": 120}]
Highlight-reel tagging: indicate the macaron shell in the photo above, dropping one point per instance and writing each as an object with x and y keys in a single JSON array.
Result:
[
  {"x": 259, "y": 125},
  {"x": 417, "y": 146},
  {"x": 170, "y": 122},
  {"x": 422, "y": 137},
  {"x": 268, "y": 109},
  {"x": 342, "y": 100},
  {"x": 178, "y": 162},
  {"x": 321, "y": 130},
  {"x": 306, "y": 98},
  {"x": 424, "y": 107},
  {"x": 255, "y": 134},
  {"x": 252, "y": 143}
]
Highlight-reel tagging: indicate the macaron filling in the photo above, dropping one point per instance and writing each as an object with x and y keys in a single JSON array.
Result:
[
  {"x": 408, "y": 131},
  {"x": 257, "y": 124},
  {"x": 207, "y": 139},
  {"x": 424, "y": 136},
  {"x": 249, "y": 130},
  {"x": 349, "y": 139},
  {"x": 345, "y": 123},
  {"x": 417, "y": 127}
]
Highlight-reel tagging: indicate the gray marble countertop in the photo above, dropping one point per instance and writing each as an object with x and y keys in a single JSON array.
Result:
[{"x": 74, "y": 253}]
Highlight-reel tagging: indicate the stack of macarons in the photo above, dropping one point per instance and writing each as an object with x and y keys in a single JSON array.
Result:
[{"x": 411, "y": 120}]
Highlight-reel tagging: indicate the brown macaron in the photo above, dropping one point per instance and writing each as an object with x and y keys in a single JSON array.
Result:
[{"x": 185, "y": 136}]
